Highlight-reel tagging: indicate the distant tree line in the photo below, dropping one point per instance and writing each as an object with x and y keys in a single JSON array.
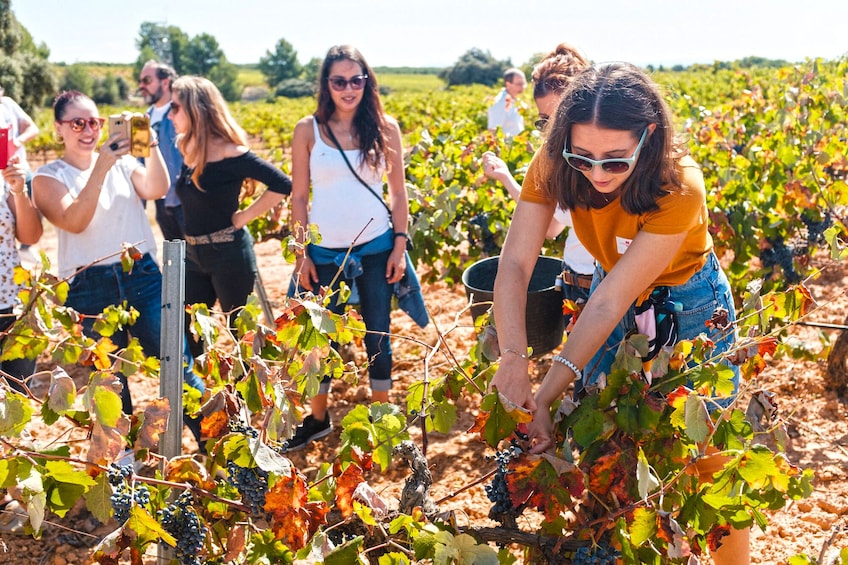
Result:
[{"x": 29, "y": 78}]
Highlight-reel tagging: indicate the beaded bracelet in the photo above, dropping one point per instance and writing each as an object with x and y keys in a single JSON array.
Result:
[
  {"x": 577, "y": 372},
  {"x": 506, "y": 350}
]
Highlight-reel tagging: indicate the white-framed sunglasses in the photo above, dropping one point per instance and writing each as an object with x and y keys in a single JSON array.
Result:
[{"x": 612, "y": 166}]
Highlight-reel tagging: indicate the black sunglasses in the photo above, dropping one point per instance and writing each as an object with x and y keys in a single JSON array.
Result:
[
  {"x": 175, "y": 107},
  {"x": 339, "y": 84},
  {"x": 541, "y": 122}
]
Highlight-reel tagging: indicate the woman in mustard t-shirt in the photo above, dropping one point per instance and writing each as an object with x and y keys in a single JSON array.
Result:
[{"x": 638, "y": 204}]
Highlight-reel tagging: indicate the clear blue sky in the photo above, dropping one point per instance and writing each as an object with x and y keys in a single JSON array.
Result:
[{"x": 436, "y": 32}]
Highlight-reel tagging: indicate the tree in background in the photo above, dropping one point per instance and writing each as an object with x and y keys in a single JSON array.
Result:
[
  {"x": 199, "y": 55},
  {"x": 281, "y": 64},
  {"x": 475, "y": 66},
  {"x": 25, "y": 72}
]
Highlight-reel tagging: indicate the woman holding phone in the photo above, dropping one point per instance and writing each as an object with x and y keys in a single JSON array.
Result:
[{"x": 94, "y": 196}]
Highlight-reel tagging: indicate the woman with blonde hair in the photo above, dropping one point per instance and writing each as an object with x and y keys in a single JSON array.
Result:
[{"x": 220, "y": 262}]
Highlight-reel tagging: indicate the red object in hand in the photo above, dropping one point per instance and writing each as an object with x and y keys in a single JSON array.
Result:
[{"x": 7, "y": 146}]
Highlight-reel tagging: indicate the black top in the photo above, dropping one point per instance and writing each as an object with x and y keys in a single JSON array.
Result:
[{"x": 211, "y": 209}]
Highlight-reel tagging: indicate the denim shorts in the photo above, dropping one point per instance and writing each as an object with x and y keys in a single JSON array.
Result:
[{"x": 701, "y": 295}]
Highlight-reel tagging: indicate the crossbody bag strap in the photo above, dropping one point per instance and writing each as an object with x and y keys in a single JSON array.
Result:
[{"x": 352, "y": 170}]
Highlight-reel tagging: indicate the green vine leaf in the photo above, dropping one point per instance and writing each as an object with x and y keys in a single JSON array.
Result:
[
  {"x": 15, "y": 413},
  {"x": 697, "y": 419}
]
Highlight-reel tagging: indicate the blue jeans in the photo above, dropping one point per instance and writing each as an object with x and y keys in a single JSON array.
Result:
[
  {"x": 104, "y": 285},
  {"x": 223, "y": 272},
  {"x": 705, "y": 291},
  {"x": 375, "y": 305}
]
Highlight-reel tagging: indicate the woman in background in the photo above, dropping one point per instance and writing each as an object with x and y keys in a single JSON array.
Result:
[
  {"x": 550, "y": 79},
  {"x": 19, "y": 220},
  {"x": 350, "y": 132},
  {"x": 220, "y": 261}
]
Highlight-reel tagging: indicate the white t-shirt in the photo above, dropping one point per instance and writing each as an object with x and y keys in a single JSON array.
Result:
[
  {"x": 575, "y": 255},
  {"x": 504, "y": 113},
  {"x": 119, "y": 216}
]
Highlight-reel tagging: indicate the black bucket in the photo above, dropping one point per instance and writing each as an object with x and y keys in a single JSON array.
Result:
[{"x": 543, "y": 318}]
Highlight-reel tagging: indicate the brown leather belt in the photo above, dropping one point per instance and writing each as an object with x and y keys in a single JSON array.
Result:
[
  {"x": 573, "y": 279},
  {"x": 225, "y": 235}
]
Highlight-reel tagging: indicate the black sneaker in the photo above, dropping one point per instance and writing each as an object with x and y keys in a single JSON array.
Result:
[{"x": 310, "y": 430}]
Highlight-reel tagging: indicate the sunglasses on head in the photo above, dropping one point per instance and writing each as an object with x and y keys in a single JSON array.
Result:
[
  {"x": 78, "y": 124},
  {"x": 612, "y": 166},
  {"x": 339, "y": 84},
  {"x": 145, "y": 80}
]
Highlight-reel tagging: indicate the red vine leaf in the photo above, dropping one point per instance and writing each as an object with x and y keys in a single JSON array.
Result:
[
  {"x": 154, "y": 424},
  {"x": 346, "y": 484},
  {"x": 535, "y": 481},
  {"x": 715, "y": 536},
  {"x": 294, "y": 519}
]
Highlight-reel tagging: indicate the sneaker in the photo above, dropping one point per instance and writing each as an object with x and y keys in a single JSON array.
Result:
[{"x": 310, "y": 430}]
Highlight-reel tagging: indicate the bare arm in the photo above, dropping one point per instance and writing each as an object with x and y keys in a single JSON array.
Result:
[
  {"x": 152, "y": 181},
  {"x": 646, "y": 258},
  {"x": 515, "y": 266},
  {"x": 28, "y": 130},
  {"x": 495, "y": 168},
  {"x": 302, "y": 142},
  {"x": 28, "y": 228},
  {"x": 399, "y": 199},
  {"x": 58, "y": 205}
]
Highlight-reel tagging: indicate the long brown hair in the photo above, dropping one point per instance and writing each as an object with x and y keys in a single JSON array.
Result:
[
  {"x": 208, "y": 117},
  {"x": 616, "y": 96},
  {"x": 369, "y": 122}
]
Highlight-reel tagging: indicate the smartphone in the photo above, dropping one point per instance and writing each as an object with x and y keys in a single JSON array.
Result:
[
  {"x": 136, "y": 128},
  {"x": 7, "y": 146}
]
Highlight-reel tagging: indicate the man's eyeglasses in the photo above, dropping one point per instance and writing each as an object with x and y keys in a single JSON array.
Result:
[
  {"x": 78, "y": 124},
  {"x": 339, "y": 84},
  {"x": 612, "y": 166},
  {"x": 145, "y": 80}
]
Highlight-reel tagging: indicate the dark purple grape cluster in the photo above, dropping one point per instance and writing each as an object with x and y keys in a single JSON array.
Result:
[
  {"x": 782, "y": 255},
  {"x": 180, "y": 520},
  {"x": 123, "y": 495},
  {"x": 601, "y": 554},
  {"x": 498, "y": 490},
  {"x": 242, "y": 428},
  {"x": 252, "y": 484},
  {"x": 816, "y": 228}
]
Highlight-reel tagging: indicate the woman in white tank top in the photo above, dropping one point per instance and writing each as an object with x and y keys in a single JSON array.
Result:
[{"x": 350, "y": 132}]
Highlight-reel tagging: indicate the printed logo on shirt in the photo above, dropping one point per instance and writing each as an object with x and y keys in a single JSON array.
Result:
[{"x": 622, "y": 243}]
